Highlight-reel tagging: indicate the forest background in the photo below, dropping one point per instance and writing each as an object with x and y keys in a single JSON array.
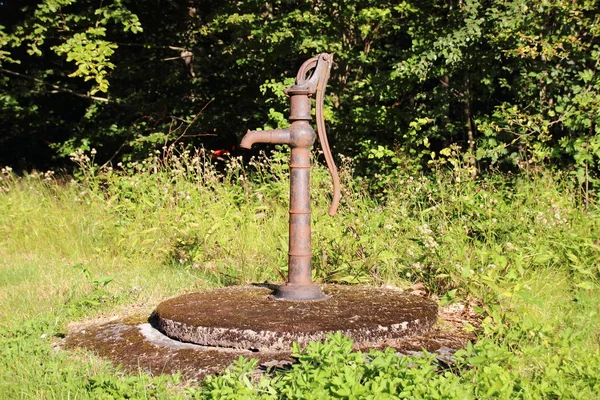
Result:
[{"x": 508, "y": 85}]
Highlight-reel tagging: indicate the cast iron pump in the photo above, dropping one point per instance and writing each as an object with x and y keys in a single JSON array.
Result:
[{"x": 300, "y": 136}]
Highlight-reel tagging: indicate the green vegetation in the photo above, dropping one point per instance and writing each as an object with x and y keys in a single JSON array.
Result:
[
  {"x": 468, "y": 137},
  {"x": 117, "y": 239}
]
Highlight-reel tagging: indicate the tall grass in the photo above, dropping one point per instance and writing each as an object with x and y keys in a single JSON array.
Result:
[{"x": 113, "y": 238}]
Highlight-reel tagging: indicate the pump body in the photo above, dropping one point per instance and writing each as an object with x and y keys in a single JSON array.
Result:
[{"x": 300, "y": 136}]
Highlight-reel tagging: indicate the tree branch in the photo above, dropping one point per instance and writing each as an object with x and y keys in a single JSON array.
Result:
[
  {"x": 149, "y": 46},
  {"x": 55, "y": 87}
]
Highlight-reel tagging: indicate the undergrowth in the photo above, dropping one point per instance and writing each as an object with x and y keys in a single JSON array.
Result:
[{"x": 123, "y": 236}]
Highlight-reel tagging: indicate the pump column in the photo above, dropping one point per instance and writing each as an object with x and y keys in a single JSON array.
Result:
[{"x": 302, "y": 138}]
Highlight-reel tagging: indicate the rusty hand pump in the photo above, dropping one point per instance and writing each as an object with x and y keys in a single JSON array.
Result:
[{"x": 300, "y": 136}]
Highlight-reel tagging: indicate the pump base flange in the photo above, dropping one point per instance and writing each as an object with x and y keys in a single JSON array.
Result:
[{"x": 294, "y": 292}]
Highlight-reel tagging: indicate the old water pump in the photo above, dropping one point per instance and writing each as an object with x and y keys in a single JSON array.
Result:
[
  {"x": 218, "y": 326},
  {"x": 300, "y": 136}
]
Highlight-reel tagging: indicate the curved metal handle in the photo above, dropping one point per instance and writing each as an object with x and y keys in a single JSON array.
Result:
[
  {"x": 316, "y": 84},
  {"x": 320, "y": 98}
]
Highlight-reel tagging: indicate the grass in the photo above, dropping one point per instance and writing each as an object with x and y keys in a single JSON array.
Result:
[{"x": 115, "y": 239}]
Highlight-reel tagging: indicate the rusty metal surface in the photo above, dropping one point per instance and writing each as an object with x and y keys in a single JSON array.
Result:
[{"x": 300, "y": 136}]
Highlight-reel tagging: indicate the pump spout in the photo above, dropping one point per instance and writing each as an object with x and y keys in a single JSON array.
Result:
[{"x": 275, "y": 136}]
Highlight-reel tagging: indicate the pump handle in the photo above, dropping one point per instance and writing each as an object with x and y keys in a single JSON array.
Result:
[{"x": 316, "y": 84}]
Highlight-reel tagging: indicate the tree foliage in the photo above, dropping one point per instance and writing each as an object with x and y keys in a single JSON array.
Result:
[{"x": 510, "y": 84}]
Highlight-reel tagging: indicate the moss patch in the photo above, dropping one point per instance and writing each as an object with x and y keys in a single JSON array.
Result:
[
  {"x": 124, "y": 345},
  {"x": 252, "y": 308}
]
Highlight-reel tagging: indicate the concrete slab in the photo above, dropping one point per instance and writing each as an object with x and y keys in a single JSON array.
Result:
[
  {"x": 133, "y": 344},
  {"x": 247, "y": 318}
]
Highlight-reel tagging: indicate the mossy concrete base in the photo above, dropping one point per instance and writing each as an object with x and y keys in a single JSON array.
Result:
[
  {"x": 136, "y": 346},
  {"x": 140, "y": 347},
  {"x": 248, "y": 318}
]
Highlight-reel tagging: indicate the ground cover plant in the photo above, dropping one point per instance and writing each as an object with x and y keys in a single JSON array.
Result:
[{"x": 524, "y": 249}]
